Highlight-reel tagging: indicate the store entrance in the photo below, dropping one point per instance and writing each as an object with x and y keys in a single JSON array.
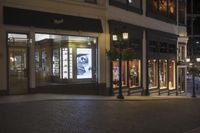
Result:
[
  {"x": 181, "y": 79},
  {"x": 17, "y": 64}
]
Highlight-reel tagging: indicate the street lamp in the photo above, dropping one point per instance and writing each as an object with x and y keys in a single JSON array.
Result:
[{"x": 119, "y": 40}]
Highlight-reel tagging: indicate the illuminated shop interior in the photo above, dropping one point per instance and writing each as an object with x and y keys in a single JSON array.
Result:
[
  {"x": 131, "y": 73},
  {"x": 153, "y": 74},
  {"x": 60, "y": 58},
  {"x": 165, "y": 77},
  {"x": 17, "y": 59}
]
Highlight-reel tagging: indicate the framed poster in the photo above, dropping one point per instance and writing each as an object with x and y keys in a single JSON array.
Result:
[{"x": 84, "y": 63}]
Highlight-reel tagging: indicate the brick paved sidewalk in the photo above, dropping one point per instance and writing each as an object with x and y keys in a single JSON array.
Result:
[{"x": 38, "y": 97}]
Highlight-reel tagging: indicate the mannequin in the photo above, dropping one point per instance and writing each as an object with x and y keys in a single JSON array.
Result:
[{"x": 133, "y": 75}]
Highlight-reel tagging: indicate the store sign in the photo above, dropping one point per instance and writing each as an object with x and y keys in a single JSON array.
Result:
[
  {"x": 31, "y": 18},
  {"x": 58, "y": 21}
]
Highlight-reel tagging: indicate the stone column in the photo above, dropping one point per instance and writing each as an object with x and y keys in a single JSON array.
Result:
[
  {"x": 3, "y": 53},
  {"x": 32, "y": 82},
  {"x": 144, "y": 64}
]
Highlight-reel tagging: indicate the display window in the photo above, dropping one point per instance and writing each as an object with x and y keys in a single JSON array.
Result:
[
  {"x": 131, "y": 73},
  {"x": 163, "y": 6},
  {"x": 172, "y": 81},
  {"x": 63, "y": 58},
  {"x": 163, "y": 74},
  {"x": 153, "y": 74},
  {"x": 171, "y": 8},
  {"x": 115, "y": 65},
  {"x": 134, "y": 73}
]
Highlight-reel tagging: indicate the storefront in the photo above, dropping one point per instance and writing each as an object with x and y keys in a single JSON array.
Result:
[
  {"x": 131, "y": 68},
  {"x": 41, "y": 60},
  {"x": 161, "y": 63}
]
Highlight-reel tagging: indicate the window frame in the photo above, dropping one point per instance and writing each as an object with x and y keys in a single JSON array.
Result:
[{"x": 127, "y": 6}]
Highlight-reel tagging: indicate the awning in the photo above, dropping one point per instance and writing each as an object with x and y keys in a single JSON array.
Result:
[{"x": 23, "y": 17}]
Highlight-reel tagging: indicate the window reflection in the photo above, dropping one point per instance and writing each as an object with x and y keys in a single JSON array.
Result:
[
  {"x": 163, "y": 6},
  {"x": 116, "y": 74},
  {"x": 153, "y": 73},
  {"x": 60, "y": 57},
  {"x": 163, "y": 73},
  {"x": 134, "y": 73},
  {"x": 171, "y": 8},
  {"x": 171, "y": 74}
]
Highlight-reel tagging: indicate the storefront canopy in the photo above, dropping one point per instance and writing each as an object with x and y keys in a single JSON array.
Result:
[{"x": 23, "y": 17}]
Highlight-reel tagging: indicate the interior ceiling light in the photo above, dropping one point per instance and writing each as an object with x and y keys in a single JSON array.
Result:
[{"x": 130, "y": 1}]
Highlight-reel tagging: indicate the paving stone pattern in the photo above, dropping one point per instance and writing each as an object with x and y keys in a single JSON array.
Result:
[{"x": 104, "y": 116}]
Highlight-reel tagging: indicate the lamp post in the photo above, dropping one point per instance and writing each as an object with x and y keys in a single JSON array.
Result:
[
  {"x": 119, "y": 39},
  {"x": 193, "y": 77}
]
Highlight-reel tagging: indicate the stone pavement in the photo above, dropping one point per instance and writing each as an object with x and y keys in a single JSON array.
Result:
[
  {"x": 55, "y": 113},
  {"x": 49, "y": 96}
]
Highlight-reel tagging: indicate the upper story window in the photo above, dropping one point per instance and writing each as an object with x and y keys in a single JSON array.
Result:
[
  {"x": 181, "y": 52},
  {"x": 181, "y": 11},
  {"x": 163, "y": 6},
  {"x": 131, "y": 5},
  {"x": 162, "y": 9},
  {"x": 171, "y": 9}
]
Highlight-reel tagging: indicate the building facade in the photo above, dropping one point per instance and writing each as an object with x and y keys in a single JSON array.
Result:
[{"x": 60, "y": 46}]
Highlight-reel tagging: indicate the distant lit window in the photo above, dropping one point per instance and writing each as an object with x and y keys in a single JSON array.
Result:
[
  {"x": 163, "y": 6},
  {"x": 171, "y": 8},
  {"x": 161, "y": 9}
]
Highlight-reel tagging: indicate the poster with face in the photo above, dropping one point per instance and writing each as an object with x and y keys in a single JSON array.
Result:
[{"x": 84, "y": 63}]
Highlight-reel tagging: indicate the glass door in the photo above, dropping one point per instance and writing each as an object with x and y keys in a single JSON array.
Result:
[{"x": 17, "y": 64}]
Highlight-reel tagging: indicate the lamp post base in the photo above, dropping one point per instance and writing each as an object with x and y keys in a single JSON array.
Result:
[
  {"x": 120, "y": 96},
  {"x": 193, "y": 96}
]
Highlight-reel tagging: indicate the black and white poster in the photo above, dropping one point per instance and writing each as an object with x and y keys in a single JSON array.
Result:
[{"x": 84, "y": 63}]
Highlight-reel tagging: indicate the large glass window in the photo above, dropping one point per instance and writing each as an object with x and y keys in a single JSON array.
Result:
[
  {"x": 153, "y": 5},
  {"x": 163, "y": 7},
  {"x": 153, "y": 73},
  {"x": 181, "y": 52},
  {"x": 181, "y": 11},
  {"x": 163, "y": 74},
  {"x": 135, "y": 3},
  {"x": 115, "y": 65},
  {"x": 63, "y": 58},
  {"x": 133, "y": 68},
  {"x": 171, "y": 8},
  {"x": 132, "y": 5},
  {"x": 134, "y": 73},
  {"x": 172, "y": 74}
]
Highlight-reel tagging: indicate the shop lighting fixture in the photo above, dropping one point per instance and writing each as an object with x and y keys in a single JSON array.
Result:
[
  {"x": 130, "y": 1},
  {"x": 187, "y": 60},
  {"x": 114, "y": 37},
  {"x": 198, "y": 59}
]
